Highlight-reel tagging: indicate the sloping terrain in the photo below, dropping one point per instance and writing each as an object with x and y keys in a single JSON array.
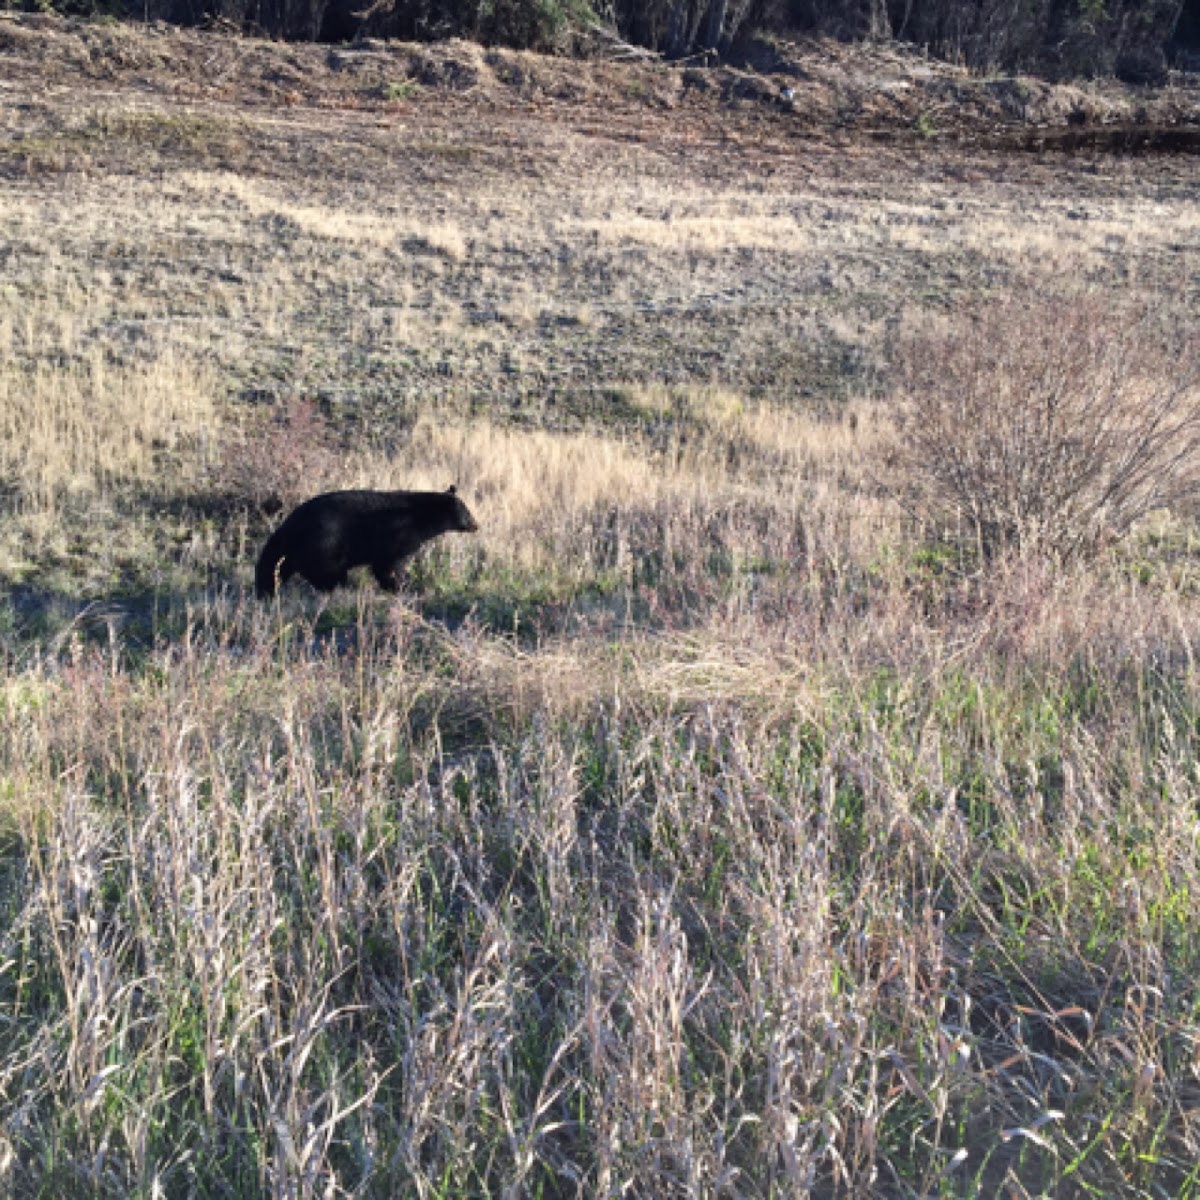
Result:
[{"x": 815, "y": 89}]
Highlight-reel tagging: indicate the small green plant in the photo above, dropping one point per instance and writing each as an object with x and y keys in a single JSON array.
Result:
[
  {"x": 395, "y": 91},
  {"x": 925, "y": 125}
]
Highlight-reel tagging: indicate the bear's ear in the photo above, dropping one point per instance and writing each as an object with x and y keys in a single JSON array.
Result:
[{"x": 452, "y": 490}]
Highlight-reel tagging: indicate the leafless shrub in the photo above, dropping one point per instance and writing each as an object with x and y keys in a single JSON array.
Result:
[
  {"x": 1050, "y": 427},
  {"x": 279, "y": 462}
]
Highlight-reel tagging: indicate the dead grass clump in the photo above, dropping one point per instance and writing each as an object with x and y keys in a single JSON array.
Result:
[
  {"x": 554, "y": 493},
  {"x": 1050, "y": 427},
  {"x": 81, "y": 438}
]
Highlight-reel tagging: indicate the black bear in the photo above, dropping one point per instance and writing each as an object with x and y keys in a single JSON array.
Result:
[{"x": 324, "y": 537}]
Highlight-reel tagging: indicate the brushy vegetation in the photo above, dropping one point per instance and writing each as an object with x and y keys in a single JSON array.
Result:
[
  {"x": 1048, "y": 426},
  {"x": 704, "y": 826}
]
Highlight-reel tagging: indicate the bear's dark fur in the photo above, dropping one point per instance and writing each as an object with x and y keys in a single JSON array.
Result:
[{"x": 324, "y": 537}]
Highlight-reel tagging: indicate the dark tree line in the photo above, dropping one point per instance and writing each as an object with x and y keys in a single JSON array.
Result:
[
  {"x": 1132, "y": 38},
  {"x": 1065, "y": 37}
]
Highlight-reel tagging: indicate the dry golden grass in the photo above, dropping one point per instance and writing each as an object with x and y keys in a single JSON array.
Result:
[{"x": 95, "y": 428}]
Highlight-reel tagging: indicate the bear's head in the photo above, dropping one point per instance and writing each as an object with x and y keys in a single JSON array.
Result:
[{"x": 464, "y": 522}]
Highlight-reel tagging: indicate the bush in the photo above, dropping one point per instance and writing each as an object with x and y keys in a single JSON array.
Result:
[
  {"x": 279, "y": 462},
  {"x": 1049, "y": 427},
  {"x": 536, "y": 24}
]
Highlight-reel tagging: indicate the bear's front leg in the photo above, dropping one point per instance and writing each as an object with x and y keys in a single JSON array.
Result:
[{"x": 387, "y": 576}]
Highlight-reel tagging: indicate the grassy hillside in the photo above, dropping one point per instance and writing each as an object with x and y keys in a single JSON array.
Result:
[{"x": 720, "y": 819}]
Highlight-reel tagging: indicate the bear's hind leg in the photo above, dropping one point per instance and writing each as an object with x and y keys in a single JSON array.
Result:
[{"x": 326, "y": 581}]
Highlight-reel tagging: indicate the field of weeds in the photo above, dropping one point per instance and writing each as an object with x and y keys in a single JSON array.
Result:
[{"x": 720, "y": 819}]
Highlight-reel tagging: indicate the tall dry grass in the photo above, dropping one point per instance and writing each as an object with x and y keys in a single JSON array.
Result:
[
  {"x": 782, "y": 868},
  {"x": 94, "y": 428},
  {"x": 841, "y": 900}
]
